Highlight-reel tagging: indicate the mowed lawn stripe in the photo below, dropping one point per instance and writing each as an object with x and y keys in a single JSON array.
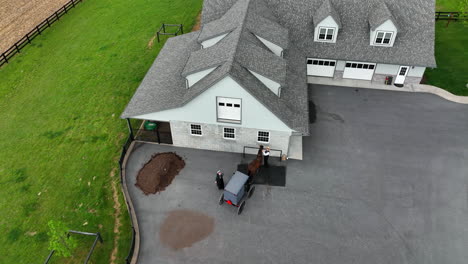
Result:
[{"x": 60, "y": 134}]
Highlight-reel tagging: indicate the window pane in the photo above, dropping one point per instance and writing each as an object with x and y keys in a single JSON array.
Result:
[
  {"x": 263, "y": 136},
  {"x": 330, "y": 34},
  {"x": 378, "y": 40},
  {"x": 326, "y": 63},
  {"x": 359, "y": 66},
  {"x": 221, "y": 104},
  {"x": 365, "y": 66},
  {"x": 315, "y": 62},
  {"x": 354, "y": 65},
  {"x": 332, "y": 63},
  {"x": 237, "y": 105},
  {"x": 309, "y": 61},
  {"x": 371, "y": 67},
  {"x": 229, "y": 105},
  {"x": 323, "y": 30},
  {"x": 380, "y": 35},
  {"x": 348, "y": 65},
  {"x": 320, "y": 62},
  {"x": 386, "y": 41}
]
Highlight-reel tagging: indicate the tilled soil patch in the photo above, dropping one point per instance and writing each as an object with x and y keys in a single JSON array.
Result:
[
  {"x": 159, "y": 172},
  {"x": 183, "y": 228}
]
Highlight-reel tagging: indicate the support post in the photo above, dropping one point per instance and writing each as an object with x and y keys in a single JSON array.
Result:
[
  {"x": 182, "y": 29},
  {"x": 5, "y": 57},
  {"x": 130, "y": 127}
]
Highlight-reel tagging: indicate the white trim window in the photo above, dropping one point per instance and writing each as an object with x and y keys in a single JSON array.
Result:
[
  {"x": 326, "y": 34},
  {"x": 196, "y": 130},
  {"x": 263, "y": 136},
  {"x": 383, "y": 38},
  {"x": 229, "y": 133}
]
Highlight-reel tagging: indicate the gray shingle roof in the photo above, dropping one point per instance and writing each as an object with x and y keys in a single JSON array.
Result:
[
  {"x": 414, "y": 43},
  {"x": 237, "y": 53},
  {"x": 378, "y": 14},
  {"x": 325, "y": 10}
]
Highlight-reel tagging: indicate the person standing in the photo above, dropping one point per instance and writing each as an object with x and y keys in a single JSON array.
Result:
[
  {"x": 219, "y": 180},
  {"x": 266, "y": 155}
]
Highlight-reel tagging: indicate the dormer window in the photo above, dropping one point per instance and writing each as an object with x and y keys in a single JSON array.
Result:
[
  {"x": 383, "y": 38},
  {"x": 326, "y": 34}
]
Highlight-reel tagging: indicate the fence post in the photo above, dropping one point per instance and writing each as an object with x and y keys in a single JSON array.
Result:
[
  {"x": 4, "y": 57},
  {"x": 38, "y": 30},
  {"x": 27, "y": 37},
  {"x": 56, "y": 15},
  {"x": 65, "y": 9},
  {"x": 182, "y": 29},
  {"x": 16, "y": 46}
]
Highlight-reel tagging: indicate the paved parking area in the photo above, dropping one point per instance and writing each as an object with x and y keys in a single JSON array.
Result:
[{"x": 384, "y": 180}]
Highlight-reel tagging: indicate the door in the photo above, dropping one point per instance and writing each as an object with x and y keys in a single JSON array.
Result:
[
  {"x": 400, "y": 79},
  {"x": 359, "y": 70},
  {"x": 229, "y": 109},
  {"x": 319, "y": 67}
]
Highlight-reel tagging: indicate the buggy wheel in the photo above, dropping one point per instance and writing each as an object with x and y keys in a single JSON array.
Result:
[
  {"x": 251, "y": 191},
  {"x": 221, "y": 199},
  {"x": 241, "y": 208}
]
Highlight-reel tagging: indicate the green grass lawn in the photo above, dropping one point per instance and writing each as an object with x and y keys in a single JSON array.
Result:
[
  {"x": 451, "y": 53},
  {"x": 447, "y": 5},
  {"x": 60, "y": 101}
]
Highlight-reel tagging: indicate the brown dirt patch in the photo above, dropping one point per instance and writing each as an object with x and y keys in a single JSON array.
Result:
[
  {"x": 159, "y": 172},
  {"x": 117, "y": 213},
  {"x": 198, "y": 23},
  {"x": 18, "y": 17},
  {"x": 183, "y": 228}
]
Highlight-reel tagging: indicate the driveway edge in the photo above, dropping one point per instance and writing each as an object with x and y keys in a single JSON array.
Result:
[
  {"x": 415, "y": 88},
  {"x": 128, "y": 201}
]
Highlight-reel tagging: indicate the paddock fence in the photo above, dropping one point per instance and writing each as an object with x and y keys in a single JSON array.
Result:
[
  {"x": 451, "y": 16},
  {"x": 36, "y": 31}
]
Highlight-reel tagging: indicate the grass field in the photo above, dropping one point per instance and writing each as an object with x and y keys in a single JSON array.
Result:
[
  {"x": 451, "y": 52},
  {"x": 447, "y": 5},
  {"x": 60, "y": 101}
]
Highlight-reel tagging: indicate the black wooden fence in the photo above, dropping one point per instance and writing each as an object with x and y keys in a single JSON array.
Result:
[
  {"x": 451, "y": 16},
  {"x": 20, "y": 44}
]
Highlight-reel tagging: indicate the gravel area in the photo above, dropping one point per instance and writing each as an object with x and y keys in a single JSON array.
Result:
[{"x": 18, "y": 17}]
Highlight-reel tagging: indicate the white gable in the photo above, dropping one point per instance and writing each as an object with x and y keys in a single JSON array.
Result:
[
  {"x": 195, "y": 77},
  {"x": 272, "y": 85},
  {"x": 328, "y": 22},
  {"x": 202, "y": 109},
  {"x": 210, "y": 42},
  {"x": 386, "y": 26},
  {"x": 277, "y": 50}
]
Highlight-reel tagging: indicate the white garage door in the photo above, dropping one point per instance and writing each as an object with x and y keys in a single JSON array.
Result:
[
  {"x": 319, "y": 67},
  {"x": 229, "y": 109},
  {"x": 359, "y": 70}
]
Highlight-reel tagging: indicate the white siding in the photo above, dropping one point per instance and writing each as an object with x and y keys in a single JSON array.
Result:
[
  {"x": 389, "y": 69},
  {"x": 277, "y": 50},
  {"x": 210, "y": 42},
  {"x": 272, "y": 85},
  {"x": 327, "y": 22},
  {"x": 416, "y": 72},
  {"x": 202, "y": 109},
  {"x": 386, "y": 26},
  {"x": 195, "y": 77}
]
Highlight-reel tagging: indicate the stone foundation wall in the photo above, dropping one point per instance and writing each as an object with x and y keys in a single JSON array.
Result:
[{"x": 212, "y": 138}]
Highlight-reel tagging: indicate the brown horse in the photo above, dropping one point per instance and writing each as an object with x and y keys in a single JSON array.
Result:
[{"x": 255, "y": 164}]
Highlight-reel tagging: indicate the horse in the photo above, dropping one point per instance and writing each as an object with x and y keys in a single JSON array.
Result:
[{"x": 255, "y": 164}]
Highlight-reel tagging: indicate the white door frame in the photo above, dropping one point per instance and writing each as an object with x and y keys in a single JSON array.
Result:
[{"x": 400, "y": 78}]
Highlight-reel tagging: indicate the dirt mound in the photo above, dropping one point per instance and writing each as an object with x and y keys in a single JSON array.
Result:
[
  {"x": 159, "y": 172},
  {"x": 183, "y": 228}
]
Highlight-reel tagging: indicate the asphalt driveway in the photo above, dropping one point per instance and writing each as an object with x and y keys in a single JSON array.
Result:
[{"x": 384, "y": 180}]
